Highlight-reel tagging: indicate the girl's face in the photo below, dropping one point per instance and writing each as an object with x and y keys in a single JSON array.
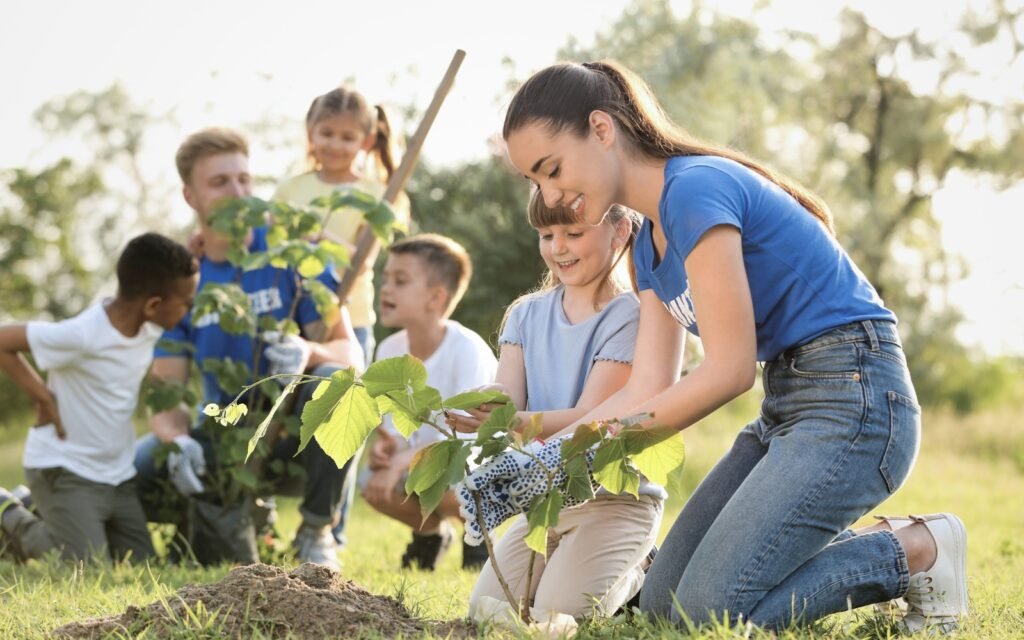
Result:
[
  {"x": 579, "y": 254},
  {"x": 579, "y": 173},
  {"x": 336, "y": 141}
]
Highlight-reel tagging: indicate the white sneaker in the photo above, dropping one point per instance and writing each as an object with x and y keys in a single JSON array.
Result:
[
  {"x": 317, "y": 545},
  {"x": 937, "y": 598}
]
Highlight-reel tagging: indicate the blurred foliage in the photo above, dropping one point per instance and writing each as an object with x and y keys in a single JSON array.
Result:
[{"x": 842, "y": 117}]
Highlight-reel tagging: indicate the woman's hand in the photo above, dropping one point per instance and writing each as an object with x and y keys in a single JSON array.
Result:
[
  {"x": 382, "y": 449},
  {"x": 381, "y": 487}
]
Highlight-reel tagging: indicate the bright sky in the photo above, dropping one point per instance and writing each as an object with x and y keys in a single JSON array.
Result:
[{"x": 233, "y": 62}]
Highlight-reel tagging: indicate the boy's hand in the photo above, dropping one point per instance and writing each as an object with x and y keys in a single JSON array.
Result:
[
  {"x": 381, "y": 487},
  {"x": 382, "y": 449},
  {"x": 47, "y": 413}
]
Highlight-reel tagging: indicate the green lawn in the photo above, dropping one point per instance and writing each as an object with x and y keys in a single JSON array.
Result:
[{"x": 973, "y": 466}]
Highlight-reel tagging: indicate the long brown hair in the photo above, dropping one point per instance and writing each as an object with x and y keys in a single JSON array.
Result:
[
  {"x": 563, "y": 96},
  {"x": 372, "y": 119}
]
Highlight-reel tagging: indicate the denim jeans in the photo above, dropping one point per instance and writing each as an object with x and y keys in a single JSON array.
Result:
[
  {"x": 326, "y": 486},
  {"x": 764, "y": 537}
]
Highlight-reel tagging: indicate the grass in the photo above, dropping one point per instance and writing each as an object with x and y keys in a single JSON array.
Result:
[{"x": 973, "y": 466}]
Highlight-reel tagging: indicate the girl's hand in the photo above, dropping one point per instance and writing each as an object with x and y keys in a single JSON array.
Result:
[{"x": 470, "y": 421}]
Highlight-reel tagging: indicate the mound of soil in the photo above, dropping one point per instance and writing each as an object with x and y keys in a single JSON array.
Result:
[{"x": 309, "y": 602}]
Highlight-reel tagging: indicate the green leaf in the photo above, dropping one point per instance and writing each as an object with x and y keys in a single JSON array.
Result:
[
  {"x": 311, "y": 266},
  {"x": 245, "y": 478},
  {"x": 261, "y": 430},
  {"x": 271, "y": 389},
  {"x": 404, "y": 423},
  {"x": 322, "y": 404},
  {"x": 491, "y": 448},
  {"x": 276, "y": 235},
  {"x": 543, "y": 515},
  {"x": 577, "y": 482},
  {"x": 404, "y": 373},
  {"x": 501, "y": 419},
  {"x": 346, "y": 430},
  {"x": 534, "y": 427},
  {"x": 658, "y": 452},
  {"x": 457, "y": 451},
  {"x": 255, "y": 261},
  {"x": 429, "y": 465},
  {"x": 417, "y": 405},
  {"x": 612, "y": 469},
  {"x": 473, "y": 399},
  {"x": 333, "y": 252},
  {"x": 325, "y": 301},
  {"x": 585, "y": 436}
]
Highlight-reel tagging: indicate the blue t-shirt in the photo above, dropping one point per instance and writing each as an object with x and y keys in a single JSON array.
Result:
[
  {"x": 801, "y": 281},
  {"x": 559, "y": 355},
  {"x": 271, "y": 292}
]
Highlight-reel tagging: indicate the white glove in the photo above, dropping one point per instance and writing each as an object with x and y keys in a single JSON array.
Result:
[
  {"x": 509, "y": 483},
  {"x": 286, "y": 354},
  {"x": 186, "y": 465}
]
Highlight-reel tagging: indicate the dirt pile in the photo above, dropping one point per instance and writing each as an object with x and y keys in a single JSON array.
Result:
[{"x": 309, "y": 602}]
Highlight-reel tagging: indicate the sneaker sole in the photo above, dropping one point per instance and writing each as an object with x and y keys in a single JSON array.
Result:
[{"x": 960, "y": 542}]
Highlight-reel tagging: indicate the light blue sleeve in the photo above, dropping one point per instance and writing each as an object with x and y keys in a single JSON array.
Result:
[
  {"x": 618, "y": 329},
  {"x": 512, "y": 333},
  {"x": 699, "y": 198}
]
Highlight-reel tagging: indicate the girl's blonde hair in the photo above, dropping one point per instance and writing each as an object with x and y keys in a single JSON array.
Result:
[
  {"x": 540, "y": 215},
  {"x": 562, "y": 97},
  {"x": 373, "y": 120}
]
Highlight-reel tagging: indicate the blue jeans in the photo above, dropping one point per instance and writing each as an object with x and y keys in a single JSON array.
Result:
[
  {"x": 765, "y": 537},
  {"x": 326, "y": 488}
]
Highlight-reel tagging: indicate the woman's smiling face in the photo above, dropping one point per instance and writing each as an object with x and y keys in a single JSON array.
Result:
[{"x": 579, "y": 173}]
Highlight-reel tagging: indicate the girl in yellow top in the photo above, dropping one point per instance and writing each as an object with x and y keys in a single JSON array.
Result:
[{"x": 341, "y": 126}]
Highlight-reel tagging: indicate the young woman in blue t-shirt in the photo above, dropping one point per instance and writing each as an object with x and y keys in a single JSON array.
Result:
[
  {"x": 565, "y": 348},
  {"x": 751, "y": 259}
]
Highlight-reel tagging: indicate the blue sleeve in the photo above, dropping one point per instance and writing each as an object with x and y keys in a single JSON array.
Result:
[
  {"x": 642, "y": 257},
  {"x": 306, "y": 311},
  {"x": 619, "y": 328},
  {"x": 180, "y": 335},
  {"x": 697, "y": 199},
  {"x": 511, "y": 332}
]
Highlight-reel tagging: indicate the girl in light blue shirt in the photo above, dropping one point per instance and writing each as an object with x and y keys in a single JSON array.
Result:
[{"x": 565, "y": 348}]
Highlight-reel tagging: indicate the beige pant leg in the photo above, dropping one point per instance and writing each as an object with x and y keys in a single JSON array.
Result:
[
  {"x": 595, "y": 568},
  {"x": 512, "y": 557},
  {"x": 593, "y": 563}
]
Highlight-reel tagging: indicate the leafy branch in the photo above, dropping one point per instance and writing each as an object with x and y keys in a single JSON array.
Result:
[{"x": 347, "y": 407}]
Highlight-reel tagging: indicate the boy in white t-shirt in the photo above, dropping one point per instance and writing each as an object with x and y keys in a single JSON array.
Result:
[
  {"x": 423, "y": 280},
  {"x": 79, "y": 457}
]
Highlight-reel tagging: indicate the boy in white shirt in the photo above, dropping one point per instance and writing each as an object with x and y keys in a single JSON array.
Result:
[
  {"x": 424, "y": 278},
  {"x": 79, "y": 457}
]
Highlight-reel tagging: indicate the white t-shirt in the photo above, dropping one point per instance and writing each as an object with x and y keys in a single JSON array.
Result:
[
  {"x": 462, "y": 361},
  {"x": 94, "y": 372}
]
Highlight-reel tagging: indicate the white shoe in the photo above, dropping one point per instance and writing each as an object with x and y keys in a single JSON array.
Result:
[
  {"x": 937, "y": 598},
  {"x": 317, "y": 545}
]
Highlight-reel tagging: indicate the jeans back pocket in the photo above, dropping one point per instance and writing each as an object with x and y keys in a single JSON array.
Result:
[{"x": 904, "y": 440}]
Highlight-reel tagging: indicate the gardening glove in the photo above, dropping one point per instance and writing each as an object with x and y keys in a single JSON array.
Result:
[
  {"x": 505, "y": 466},
  {"x": 286, "y": 354},
  {"x": 495, "y": 506},
  {"x": 186, "y": 465},
  {"x": 533, "y": 480}
]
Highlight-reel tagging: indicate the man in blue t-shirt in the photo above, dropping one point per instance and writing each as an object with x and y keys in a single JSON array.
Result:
[{"x": 214, "y": 165}]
